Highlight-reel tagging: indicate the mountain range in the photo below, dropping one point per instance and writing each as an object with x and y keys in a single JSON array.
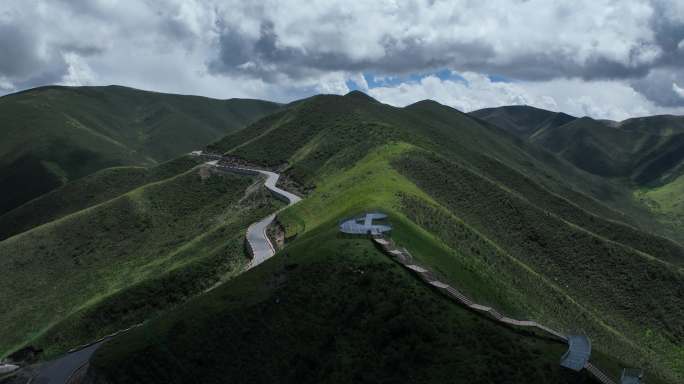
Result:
[{"x": 573, "y": 222}]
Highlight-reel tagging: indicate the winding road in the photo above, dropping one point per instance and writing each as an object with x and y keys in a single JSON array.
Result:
[
  {"x": 259, "y": 243},
  {"x": 63, "y": 369},
  {"x": 258, "y": 240}
]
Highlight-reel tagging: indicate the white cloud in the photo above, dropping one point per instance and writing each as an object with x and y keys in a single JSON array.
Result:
[
  {"x": 5, "y": 85},
  {"x": 599, "y": 99},
  {"x": 283, "y": 49},
  {"x": 475, "y": 93},
  {"x": 360, "y": 81},
  {"x": 78, "y": 71},
  {"x": 679, "y": 91},
  {"x": 334, "y": 83}
]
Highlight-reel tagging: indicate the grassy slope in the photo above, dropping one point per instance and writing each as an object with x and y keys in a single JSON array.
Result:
[
  {"x": 74, "y": 267},
  {"x": 596, "y": 147},
  {"x": 626, "y": 298},
  {"x": 85, "y": 192},
  {"x": 311, "y": 132},
  {"x": 643, "y": 154},
  {"x": 637, "y": 155},
  {"x": 522, "y": 271},
  {"x": 327, "y": 309},
  {"x": 68, "y": 133},
  {"x": 667, "y": 201},
  {"x": 646, "y": 150},
  {"x": 328, "y": 133},
  {"x": 231, "y": 332},
  {"x": 524, "y": 121},
  {"x": 362, "y": 155},
  {"x": 487, "y": 267}
]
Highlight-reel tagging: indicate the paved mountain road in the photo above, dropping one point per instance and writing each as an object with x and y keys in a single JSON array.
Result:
[
  {"x": 60, "y": 370},
  {"x": 262, "y": 248},
  {"x": 579, "y": 347},
  {"x": 258, "y": 240}
]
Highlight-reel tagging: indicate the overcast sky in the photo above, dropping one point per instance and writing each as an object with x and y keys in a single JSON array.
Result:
[{"x": 604, "y": 58}]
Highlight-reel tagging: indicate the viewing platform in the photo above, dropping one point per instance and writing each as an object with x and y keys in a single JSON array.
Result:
[
  {"x": 579, "y": 351},
  {"x": 364, "y": 225}
]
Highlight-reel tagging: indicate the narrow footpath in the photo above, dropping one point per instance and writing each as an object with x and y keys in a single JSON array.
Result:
[{"x": 577, "y": 356}]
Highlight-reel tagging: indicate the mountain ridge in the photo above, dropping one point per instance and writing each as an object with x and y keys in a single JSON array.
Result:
[
  {"x": 511, "y": 223},
  {"x": 55, "y": 134}
]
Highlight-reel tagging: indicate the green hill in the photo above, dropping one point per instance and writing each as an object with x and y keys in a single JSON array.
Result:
[
  {"x": 505, "y": 220},
  {"x": 523, "y": 120},
  {"x": 51, "y": 135},
  {"x": 647, "y": 150},
  {"x": 311, "y": 132},
  {"x": 85, "y": 192},
  {"x": 662, "y": 125},
  {"x": 327, "y": 310},
  {"x": 643, "y": 155},
  {"x": 509, "y": 217},
  {"x": 594, "y": 146},
  {"x": 113, "y": 264}
]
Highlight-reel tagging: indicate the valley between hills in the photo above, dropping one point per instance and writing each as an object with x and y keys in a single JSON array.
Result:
[{"x": 110, "y": 223}]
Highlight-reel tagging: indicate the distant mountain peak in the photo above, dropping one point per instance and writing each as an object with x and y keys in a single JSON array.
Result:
[
  {"x": 424, "y": 102},
  {"x": 523, "y": 120},
  {"x": 356, "y": 94}
]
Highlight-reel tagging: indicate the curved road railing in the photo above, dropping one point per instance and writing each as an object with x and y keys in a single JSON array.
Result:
[
  {"x": 404, "y": 258},
  {"x": 260, "y": 245}
]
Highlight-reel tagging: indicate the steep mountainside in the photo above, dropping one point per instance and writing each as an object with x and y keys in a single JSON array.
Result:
[
  {"x": 645, "y": 155},
  {"x": 51, "y": 135},
  {"x": 660, "y": 125},
  {"x": 316, "y": 132},
  {"x": 506, "y": 221},
  {"x": 595, "y": 147},
  {"x": 523, "y": 120},
  {"x": 332, "y": 311},
  {"x": 647, "y": 150},
  {"x": 85, "y": 192},
  {"x": 123, "y": 254}
]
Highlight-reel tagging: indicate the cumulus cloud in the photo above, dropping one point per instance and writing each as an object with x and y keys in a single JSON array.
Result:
[
  {"x": 606, "y": 99},
  {"x": 470, "y": 92},
  {"x": 679, "y": 91},
  {"x": 532, "y": 39},
  {"x": 285, "y": 49}
]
